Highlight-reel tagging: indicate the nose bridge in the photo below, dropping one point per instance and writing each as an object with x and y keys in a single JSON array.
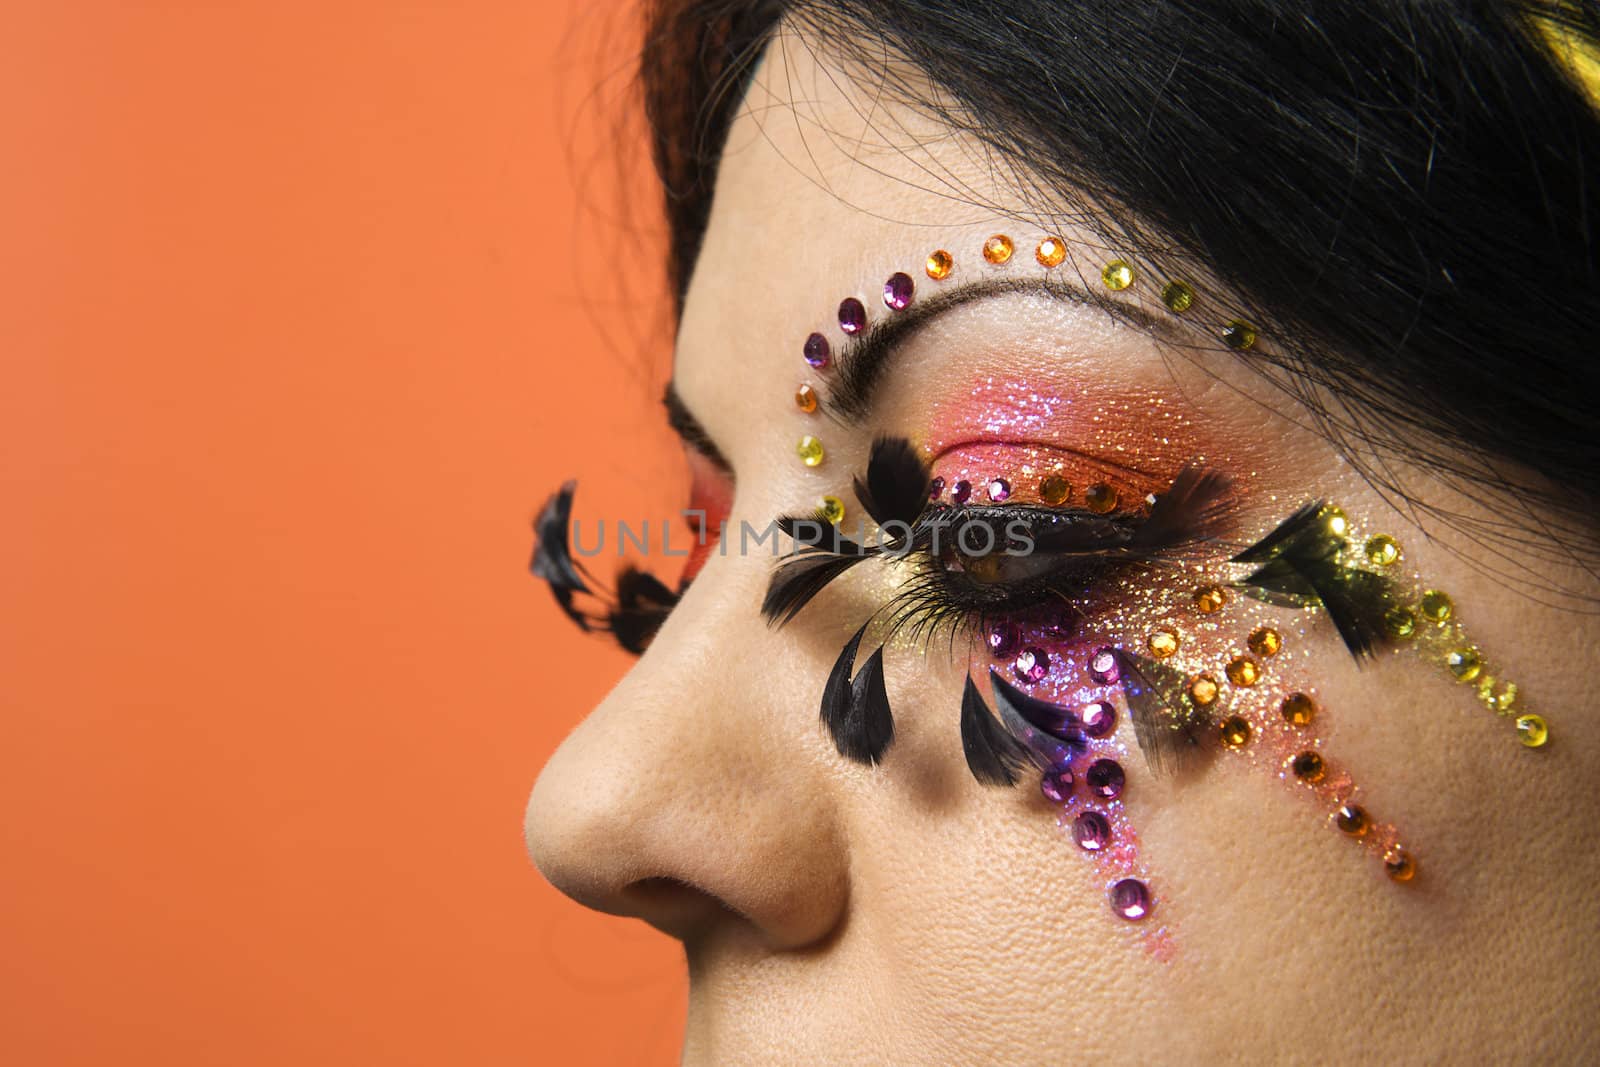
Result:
[{"x": 701, "y": 768}]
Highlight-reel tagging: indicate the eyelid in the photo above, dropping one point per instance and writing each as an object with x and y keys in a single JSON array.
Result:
[{"x": 692, "y": 431}]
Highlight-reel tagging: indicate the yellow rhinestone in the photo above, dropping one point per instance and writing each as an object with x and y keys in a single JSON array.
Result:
[
  {"x": 1308, "y": 767},
  {"x": 805, "y": 398},
  {"x": 1401, "y": 622},
  {"x": 1209, "y": 599},
  {"x": 1100, "y": 498},
  {"x": 1055, "y": 489},
  {"x": 939, "y": 265},
  {"x": 1118, "y": 275},
  {"x": 1235, "y": 732},
  {"x": 1399, "y": 864},
  {"x": 1532, "y": 731},
  {"x": 1051, "y": 251},
  {"x": 1436, "y": 606},
  {"x": 1338, "y": 525},
  {"x": 1464, "y": 663},
  {"x": 1265, "y": 641},
  {"x": 833, "y": 509},
  {"x": 1239, "y": 334},
  {"x": 1243, "y": 671},
  {"x": 809, "y": 450},
  {"x": 1178, "y": 296},
  {"x": 1382, "y": 550},
  {"x": 1353, "y": 820},
  {"x": 1297, "y": 709},
  {"x": 998, "y": 249},
  {"x": 1203, "y": 690},
  {"x": 1162, "y": 643}
]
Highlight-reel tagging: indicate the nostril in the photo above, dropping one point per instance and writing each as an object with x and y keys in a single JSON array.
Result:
[{"x": 674, "y": 906}]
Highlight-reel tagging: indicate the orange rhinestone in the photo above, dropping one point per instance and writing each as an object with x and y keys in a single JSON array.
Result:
[
  {"x": 1051, "y": 251},
  {"x": 1055, "y": 489},
  {"x": 1352, "y": 819},
  {"x": 1399, "y": 864},
  {"x": 1297, "y": 709},
  {"x": 1308, "y": 767},
  {"x": 1265, "y": 641},
  {"x": 940, "y": 264},
  {"x": 1243, "y": 671},
  {"x": 1162, "y": 643},
  {"x": 805, "y": 398},
  {"x": 1203, "y": 690},
  {"x": 1209, "y": 599},
  {"x": 998, "y": 249},
  {"x": 1100, "y": 498},
  {"x": 1235, "y": 732}
]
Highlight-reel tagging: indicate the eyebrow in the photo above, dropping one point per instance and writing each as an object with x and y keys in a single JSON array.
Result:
[
  {"x": 866, "y": 358},
  {"x": 691, "y": 430}
]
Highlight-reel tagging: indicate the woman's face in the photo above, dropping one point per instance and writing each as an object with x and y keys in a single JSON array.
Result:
[{"x": 839, "y": 913}]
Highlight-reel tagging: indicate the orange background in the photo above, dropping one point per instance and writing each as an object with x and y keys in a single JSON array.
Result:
[{"x": 301, "y": 316}]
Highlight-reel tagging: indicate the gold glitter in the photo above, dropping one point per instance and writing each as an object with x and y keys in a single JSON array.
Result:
[
  {"x": 1436, "y": 606},
  {"x": 805, "y": 398},
  {"x": 1209, "y": 599},
  {"x": 1051, "y": 251},
  {"x": 998, "y": 249},
  {"x": 1243, "y": 671},
  {"x": 1297, "y": 709},
  {"x": 1464, "y": 663},
  {"x": 1100, "y": 498},
  {"x": 1399, "y": 864},
  {"x": 833, "y": 509},
  {"x": 1239, "y": 334},
  {"x": 1203, "y": 690},
  {"x": 1532, "y": 731},
  {"x": 1055, "y": 489},
  {"x": 1265, "y": 641},
  {"x": 1235, "y": 732},
  {"x": 1401, "y": 622},
  {"x": 1338, "y": 525},
  {"x": 1308, "y": 767},
  {"x": 1500, "y": 702},
  {"x": 1382, "y": 550},
  {"x": 1178, "y": 296},
  {"x": 1118, "y": 275},
  {"x": 1162, "y": 643},
  {"x": 809, "y": 450},
  {"x": 939, "y": 265},
  {"x": 1352, "y": 819}
]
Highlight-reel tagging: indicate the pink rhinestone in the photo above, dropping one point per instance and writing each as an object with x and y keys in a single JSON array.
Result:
[
  {"x": 961, "y": 492},
  {"x": 1103, "y": 666},
  {"x": 1031, "y": 665},
  {"x": 897, "y": 291},
  {"x": 1105, "y": 779},
  {"x": 999, "y": 489},
  {"x": 1098, "y": 717},
  {"x": 935, "y": 487},
  {"x": 852, "y": 315},
  {"x": 816, "y": 350},
  {"x": 1056, "y": 785},
  {"x": 1130, "y": 898},
  {"x": 1004, "y": 637},
  {"x": 1091, "y": 830}
]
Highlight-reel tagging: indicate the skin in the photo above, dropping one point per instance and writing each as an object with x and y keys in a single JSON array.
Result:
[{"x": 835, "y": 913}]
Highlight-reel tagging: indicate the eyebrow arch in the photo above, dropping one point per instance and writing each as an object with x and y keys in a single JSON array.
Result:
[
  {"x": 866, "y": 358},
  {"x": 691, "y": 430}
]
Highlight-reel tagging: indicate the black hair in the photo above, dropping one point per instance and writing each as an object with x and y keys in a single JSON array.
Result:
[{"x": 1395, "y": 191}]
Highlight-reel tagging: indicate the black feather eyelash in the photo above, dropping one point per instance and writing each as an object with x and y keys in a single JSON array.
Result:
[
  {"x": 1167, "y": 724},
  {"x": 856, "y": 712}
]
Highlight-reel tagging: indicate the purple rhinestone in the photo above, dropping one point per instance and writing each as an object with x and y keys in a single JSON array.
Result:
[
  {"x": 897, "y": 291},
  {"x": 1057, "y": 624},
  {"x": 816, "y": 350},
  {"x": 1130, "y": 898},
  {"x": 999, "y": 489},
  {"x": 1105, "y": 779},
  {"x": 961, "y": 491},
  {"x": 1103, "y": 666},
  {"x": 1056, "y": 785},
  {"x": 1098, "y": 717},
  {"x": 1004, "y": 637},
  {"x": 1091, "y": 830},
  {"x": 1031, "y": 665},
  {"x": 935, "y": 487},
  {"x": 852, "y": 316}
]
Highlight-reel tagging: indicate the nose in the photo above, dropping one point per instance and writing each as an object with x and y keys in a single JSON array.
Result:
[{"x": 697, "y": 793}]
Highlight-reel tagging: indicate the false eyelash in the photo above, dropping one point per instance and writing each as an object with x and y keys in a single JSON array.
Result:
[
  {"x": 856, "y": 712},
  {"x": 1301, "y": 564},
  {"x": 994, "y": 755},
  {"x": 1167, "y": 724},
  {"x": 632, "y": 613},
  {"x": 896, "y": 486}
]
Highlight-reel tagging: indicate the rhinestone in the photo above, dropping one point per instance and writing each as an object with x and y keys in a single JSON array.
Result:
[
  {"x": 1352, "y": 819},
  {"x": 1051, "y": 251},
  {"x": 1100, "y": 498},
  {"x": 1532, "y": 731},
  {"x": 852, "y": 315},
  {"x": 1382, "y": 550},
  {"x": 1399, "y": 864},
  {"x": 1297, "y": 709},
  {"x": 810, "y": 450},
  {"x": 1243, "y": 671},
  {"x": 1208, "y": 599},
  {"x": 939, "y": 265},
  {"x": 1436, "y": 606},
  {"x": 1162, "y": 643},
  {"x": 1400, "y": 622},
  {"x": 1091, "y": 831},
  {"x": 935, "y": 487},
  {"x": 1235, "y": 732},
  {"x": 1056, "y": 785},
  {"x": 1308, "y": 767},
  {"x": 1057, "y": 624},
  {"x": 1103, "y": 666},
  {"x": 1098, "y": 717},
  {"x": 1464, "y": 663},
  {"x": 897, "y": 291},
  {"x": 1265, "y": 641},
  {"x": 1118, "y": 275},
  {"x": 1130, "y": 898},
  {"x": 1031, "y": 664},
  {"x": 832, "y": 509},
  {"x": 1338, "y": 525},
  {"x": 1003, "y": 638},
  {"x": 999, "y": 489},
  {"x": 1105, "y": 779},
  {"x": 816, "y": 350},
  {"x": 805, "y": 398},
  {"x": 998, "y": 249},
  {"x": 1203, "y": 690},
  {"x": 1239, "y": 334},
  {"x": 961, "y": 492},
  {"x": 1178, "y": 296},
  {"x": 1054, "y": 490}
]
